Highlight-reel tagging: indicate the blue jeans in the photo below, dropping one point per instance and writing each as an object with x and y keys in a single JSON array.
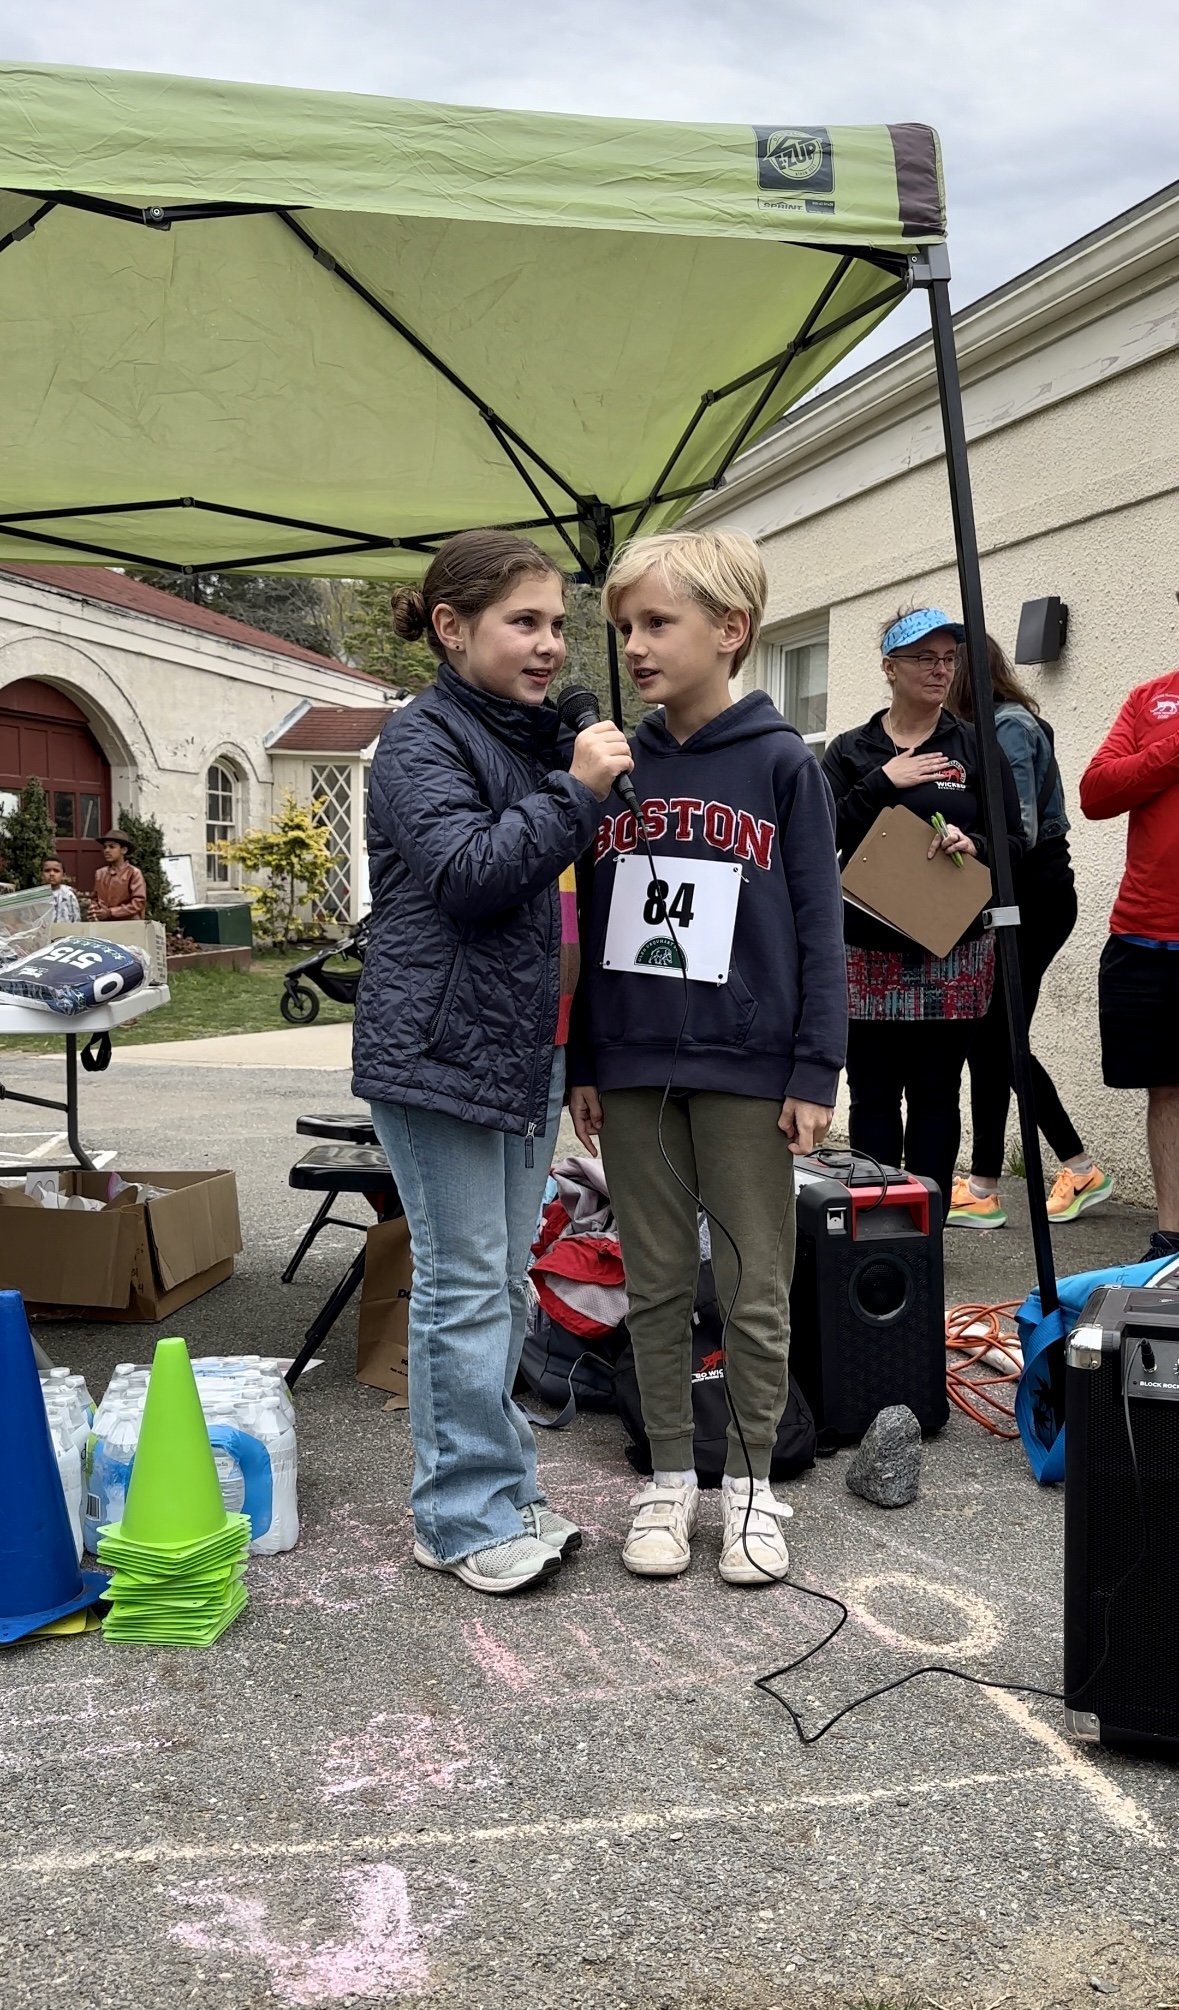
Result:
[{"x": 472, "y": 1205}]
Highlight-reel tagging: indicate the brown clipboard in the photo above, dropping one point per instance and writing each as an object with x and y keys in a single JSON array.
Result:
[{"x": 931, "y": 900}]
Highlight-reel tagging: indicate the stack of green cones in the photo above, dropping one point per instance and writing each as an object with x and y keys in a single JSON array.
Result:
[{"x": 178, "y": 1558}]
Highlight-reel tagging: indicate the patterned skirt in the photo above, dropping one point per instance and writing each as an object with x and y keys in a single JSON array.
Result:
[{"x": 909, "y": 984}]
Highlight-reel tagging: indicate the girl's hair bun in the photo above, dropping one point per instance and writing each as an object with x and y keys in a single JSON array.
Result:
[{"x": 410, "y": 619}]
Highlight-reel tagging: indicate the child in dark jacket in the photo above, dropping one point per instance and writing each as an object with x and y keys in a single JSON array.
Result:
[
  {"x": 740, "y": 824},
  {"x": 474, "y": 817}
]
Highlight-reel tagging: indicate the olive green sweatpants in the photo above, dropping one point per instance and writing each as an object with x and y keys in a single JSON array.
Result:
[{"x": 729, "y": 1150}]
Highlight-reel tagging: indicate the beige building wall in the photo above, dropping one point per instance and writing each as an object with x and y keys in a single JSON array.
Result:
[
  {"x": 1071, "y": 391},
  {"x": 164, "y": 702}
]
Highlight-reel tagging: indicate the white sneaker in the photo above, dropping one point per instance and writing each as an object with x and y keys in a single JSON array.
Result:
[
  {"x": 505, "y": 1567},
  {"x": 753, "y": 1547},
  {"x": 659, "y": 1543},
  {"x": 556, "y": 1531}
]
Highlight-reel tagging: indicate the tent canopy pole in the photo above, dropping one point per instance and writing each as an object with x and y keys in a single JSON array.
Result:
[{"x": 932, "y": 270}]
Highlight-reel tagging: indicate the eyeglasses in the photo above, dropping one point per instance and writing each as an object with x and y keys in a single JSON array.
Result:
[{"x": 928, "y": 661}]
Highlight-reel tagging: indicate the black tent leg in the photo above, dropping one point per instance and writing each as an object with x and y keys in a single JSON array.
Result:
[
  {"x": 970, "y": 583},
  {"x": 615, "y": 679}
]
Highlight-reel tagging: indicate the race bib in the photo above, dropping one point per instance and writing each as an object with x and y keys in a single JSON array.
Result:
[{"x": 697, "y": 897}]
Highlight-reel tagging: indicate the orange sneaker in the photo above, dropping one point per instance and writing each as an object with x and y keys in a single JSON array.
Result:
[
  {"x": 967, "y": 1210},
  {"x": 1073, "y": 1192}
]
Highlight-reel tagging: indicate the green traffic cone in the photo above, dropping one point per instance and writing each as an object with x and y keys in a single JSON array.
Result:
[{"x": 174, "y": 1496}]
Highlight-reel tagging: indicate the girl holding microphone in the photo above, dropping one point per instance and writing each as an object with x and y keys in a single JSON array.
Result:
[{"x": 475, "y": 818}]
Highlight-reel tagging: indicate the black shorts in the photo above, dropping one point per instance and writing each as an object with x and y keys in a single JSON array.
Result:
[{"x": 1138, "y": 1005}]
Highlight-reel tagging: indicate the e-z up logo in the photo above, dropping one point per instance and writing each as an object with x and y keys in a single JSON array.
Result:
[{"x": 794, "y": 157}]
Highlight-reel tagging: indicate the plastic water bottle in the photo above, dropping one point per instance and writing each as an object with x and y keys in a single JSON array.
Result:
[
  {"x": 69, "y": 1466},
  {"x": 252, "y": 1431},
  {"x": 110, "y": 1453}
]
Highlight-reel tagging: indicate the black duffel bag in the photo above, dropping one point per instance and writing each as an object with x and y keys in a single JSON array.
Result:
[{"x": 794, "y": 1450}]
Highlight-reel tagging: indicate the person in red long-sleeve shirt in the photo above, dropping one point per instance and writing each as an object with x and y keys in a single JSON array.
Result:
[{"x": 1136, "y": 771}]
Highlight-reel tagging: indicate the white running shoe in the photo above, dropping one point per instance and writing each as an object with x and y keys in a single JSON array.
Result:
[
  {"x": 659, "y": 1543},
  {"x": 753, "y": 1550},
  {"x": 505, "y": 1567},
  {"x": 556, "y": 1531}
]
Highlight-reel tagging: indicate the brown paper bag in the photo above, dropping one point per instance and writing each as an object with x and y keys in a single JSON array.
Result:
[{"x": 382, "y": 1341}]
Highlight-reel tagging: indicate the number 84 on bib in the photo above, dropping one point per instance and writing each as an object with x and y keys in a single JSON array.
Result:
[{"x": 684, "y": 909}]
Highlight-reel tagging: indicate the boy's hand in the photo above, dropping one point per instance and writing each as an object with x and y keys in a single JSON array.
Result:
[
  {"x": 586, "y": 1112},
  {"x": 805, "y": 1124}
]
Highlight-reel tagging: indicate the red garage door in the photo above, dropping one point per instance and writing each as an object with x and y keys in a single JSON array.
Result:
[{"x": 43, "y": 733}]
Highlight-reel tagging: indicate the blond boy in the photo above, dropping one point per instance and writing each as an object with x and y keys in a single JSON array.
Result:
[{"x": 741, "y": 886}]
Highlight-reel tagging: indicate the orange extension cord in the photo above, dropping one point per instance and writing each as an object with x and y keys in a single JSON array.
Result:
[{"x": 972, "y": 1382}]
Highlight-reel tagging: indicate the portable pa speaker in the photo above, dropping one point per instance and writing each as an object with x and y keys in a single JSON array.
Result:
[
  {"x": 867, "y": 1308},
  {"x": 1043, "y": 630},
  {"x": 1121, "y": 1538}
]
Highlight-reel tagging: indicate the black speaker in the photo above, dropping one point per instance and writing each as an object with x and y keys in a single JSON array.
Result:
[
  {"x": 1121, "y": 1536},
  {"x": 1043, "y": 630},
  {"x": 867, "y": 1305}
]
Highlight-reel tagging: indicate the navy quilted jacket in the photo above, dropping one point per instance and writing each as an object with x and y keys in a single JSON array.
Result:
[{"x": 471, "y": 817}]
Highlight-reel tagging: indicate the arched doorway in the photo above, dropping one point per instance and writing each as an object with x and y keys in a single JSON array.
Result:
[{"x": 43, "y": 733}]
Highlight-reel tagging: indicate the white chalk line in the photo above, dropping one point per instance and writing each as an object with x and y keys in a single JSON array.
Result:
[
  {"x": 627, "y": 1822},
  {"x": 984, "y": 1632},
  {"x": 1119, "y": 1809}
]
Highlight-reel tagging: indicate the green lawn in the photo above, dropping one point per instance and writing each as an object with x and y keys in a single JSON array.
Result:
[{"x": 205, "y": 1002}]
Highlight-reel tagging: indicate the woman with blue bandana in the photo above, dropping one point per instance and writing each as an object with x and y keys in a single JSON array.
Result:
[{"x": 911, "y": 1014}]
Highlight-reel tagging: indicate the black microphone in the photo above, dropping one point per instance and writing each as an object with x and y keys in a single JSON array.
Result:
[{"x": 577, "y": 708}]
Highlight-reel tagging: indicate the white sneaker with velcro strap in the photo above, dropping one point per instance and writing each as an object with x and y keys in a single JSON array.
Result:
[
  {"x": 660, "y": 1539},
  {"x": 753, "y": 1547}
]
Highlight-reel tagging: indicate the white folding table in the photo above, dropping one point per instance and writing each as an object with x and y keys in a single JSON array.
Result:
[{"x": 16, "y": 1017}]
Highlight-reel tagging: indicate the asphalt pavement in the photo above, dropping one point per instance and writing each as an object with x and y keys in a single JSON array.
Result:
[{"x": 379, "y": 1787}]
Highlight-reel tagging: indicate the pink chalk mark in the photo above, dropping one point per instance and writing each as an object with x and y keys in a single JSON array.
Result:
[
  {"x": 497, "y": 1663},
  {"x": 401, "y": 1757},
  {"x": 385, "y": 1956}
]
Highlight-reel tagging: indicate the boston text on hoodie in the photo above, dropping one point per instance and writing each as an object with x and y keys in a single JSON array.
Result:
[{"x": 744, "y": 791}]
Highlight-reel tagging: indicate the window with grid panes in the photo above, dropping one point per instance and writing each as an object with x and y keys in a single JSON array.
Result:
[
  {"x": 331, "y": 787},
  {"x": 221, "y": 821},
  {"x": 792, "y": 667}
]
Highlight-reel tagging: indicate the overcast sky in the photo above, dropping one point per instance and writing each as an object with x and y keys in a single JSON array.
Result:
[{"x": 1054, "y": 114}]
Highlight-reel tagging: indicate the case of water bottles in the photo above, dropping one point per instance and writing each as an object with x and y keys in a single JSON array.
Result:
[{"x": 251, "y": 1421}]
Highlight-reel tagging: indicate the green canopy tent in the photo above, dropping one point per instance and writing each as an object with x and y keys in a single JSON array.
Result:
[{"x": 298, "y": 331}]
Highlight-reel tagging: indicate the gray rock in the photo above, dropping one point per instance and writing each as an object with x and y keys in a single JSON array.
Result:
[{"x": 885, "y": 1468}]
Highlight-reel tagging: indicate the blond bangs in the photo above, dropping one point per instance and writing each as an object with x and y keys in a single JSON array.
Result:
[{"x": 718, "y": 569}]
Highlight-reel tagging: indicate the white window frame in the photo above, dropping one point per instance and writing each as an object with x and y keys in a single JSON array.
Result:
[
  {"x": 813, "y": 633},
  {"x": 218, "y": 871}
]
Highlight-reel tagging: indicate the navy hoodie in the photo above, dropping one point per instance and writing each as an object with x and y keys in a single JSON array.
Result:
[{"x": 744, "y": 788}]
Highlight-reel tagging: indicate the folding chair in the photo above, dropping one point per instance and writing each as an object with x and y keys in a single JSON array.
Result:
[
  {"x": 345, "y": 1129},
  {"x": 333, "y": 1169}
]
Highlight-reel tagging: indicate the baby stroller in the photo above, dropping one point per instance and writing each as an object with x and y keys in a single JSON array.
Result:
[{"x": 298, "y": 1005}]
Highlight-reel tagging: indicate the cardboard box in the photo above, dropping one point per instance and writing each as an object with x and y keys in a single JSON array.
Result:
[
  {"x": 382, "y": 1340},
  {"x": 150, "y": 936},
  {"x": 131, "y": 1261}
]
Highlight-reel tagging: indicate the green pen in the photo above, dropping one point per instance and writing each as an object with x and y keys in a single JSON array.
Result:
[{"x": 940, "y": 826}]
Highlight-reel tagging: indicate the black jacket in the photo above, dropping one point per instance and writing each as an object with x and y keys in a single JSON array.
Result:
[
  {"x": 743, "y": 790},
  {"x": 854, "y": 766},
  {"x": 471, "y": 818}
]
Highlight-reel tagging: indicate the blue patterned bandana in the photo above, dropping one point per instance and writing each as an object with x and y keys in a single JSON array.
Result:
[{"x": 911, "y": 628}]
